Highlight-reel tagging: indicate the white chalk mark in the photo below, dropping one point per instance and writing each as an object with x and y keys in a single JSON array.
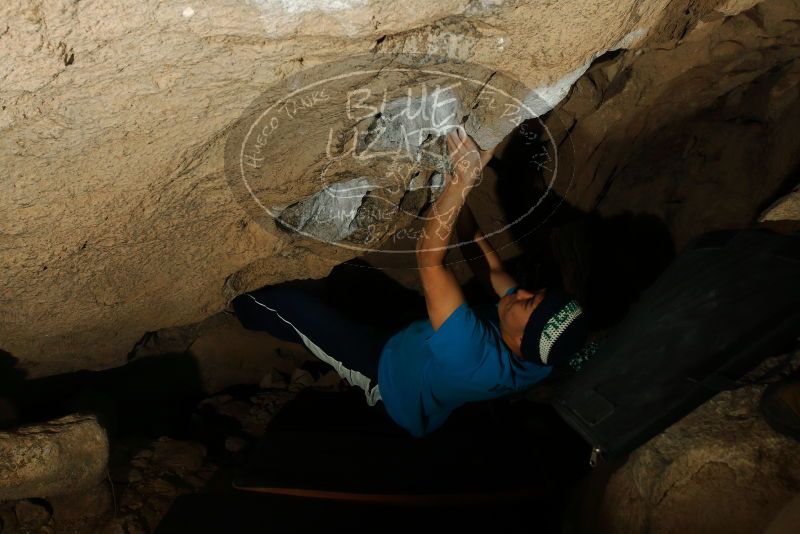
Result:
[{"x": 630, "y": 39}]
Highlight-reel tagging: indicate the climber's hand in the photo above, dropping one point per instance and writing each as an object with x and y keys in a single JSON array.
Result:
[{"x": 466, "y": 158}]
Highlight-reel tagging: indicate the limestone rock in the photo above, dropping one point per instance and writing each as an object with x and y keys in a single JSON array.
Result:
[
  {"x": 62, "y": 456},
  {"x": 226, "y": 354},
  {"x": 31, "y": 515},
  {"x": 787, "y": 208},
  {"x": 787, "y": 520},
  {"x": 701, "y": 131},
  {"x": 84, "y": 510},
  {"x": 117, "y": 217},
  {"x": 177, "y": 455},
  {"x": 721, "y": 469},
  {"x": 148, "y": 476}
]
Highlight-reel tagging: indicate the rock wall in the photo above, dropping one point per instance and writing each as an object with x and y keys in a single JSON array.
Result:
[
  {"x": 719, "y": 469},
  {"x": 701, "y": 130},
  {"x": 117, "y": 218}
]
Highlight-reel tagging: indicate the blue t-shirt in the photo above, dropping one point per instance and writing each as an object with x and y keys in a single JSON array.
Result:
[{"x": 425, "y": 375}]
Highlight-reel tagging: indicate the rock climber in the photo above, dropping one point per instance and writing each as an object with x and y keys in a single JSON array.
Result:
[{"x": 422, "y": 373}]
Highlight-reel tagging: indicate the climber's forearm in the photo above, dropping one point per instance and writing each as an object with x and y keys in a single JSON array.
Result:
[
  {"x": 469, "y": 232},
  {"x": 443, "y": 295},
  {"x": 501, "y": 281},
  {"x": 481, "y": 255},
  {"x": 439, "y": 223},
  {"x": 442, "y": 292},
  {"x": 489, "y": 253}
]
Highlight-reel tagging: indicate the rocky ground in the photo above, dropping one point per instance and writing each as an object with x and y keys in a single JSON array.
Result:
[
  {"x": 145, "y": 475},
  {"x": 720, "y": 468}
]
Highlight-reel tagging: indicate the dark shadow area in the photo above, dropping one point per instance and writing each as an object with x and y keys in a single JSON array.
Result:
[
  {"x": 145, "y": 399},
  {"x": 784, "y": 188},
  {"x": 501, "y": 462},
  {"x": 369, "y": 295},
  {"x": 11, "y": 379},
  {"x": 605, "y": 262},
  {"x": 320, "y": 435},
  {"x": 274, "y": 513},
  {"x": 608, "y": 262},
  {"x": 149, "y": 396}
]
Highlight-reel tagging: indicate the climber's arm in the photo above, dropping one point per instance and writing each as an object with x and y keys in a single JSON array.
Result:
[
  {"x": 481, "y": 255},
  {"x": 442, "y": 292},
  {"x": 443, "y": 295}
]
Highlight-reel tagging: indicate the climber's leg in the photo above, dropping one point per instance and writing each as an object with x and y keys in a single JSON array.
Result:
[{"x": 291, "y": 314}]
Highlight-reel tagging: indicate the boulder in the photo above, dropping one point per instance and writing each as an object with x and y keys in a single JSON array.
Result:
[
  {"x": 786, "y": 208},
  {"x": 61, "y": 456},
  {"x": 118, "y": 217},
  {"x": 721, "y": 469}
]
